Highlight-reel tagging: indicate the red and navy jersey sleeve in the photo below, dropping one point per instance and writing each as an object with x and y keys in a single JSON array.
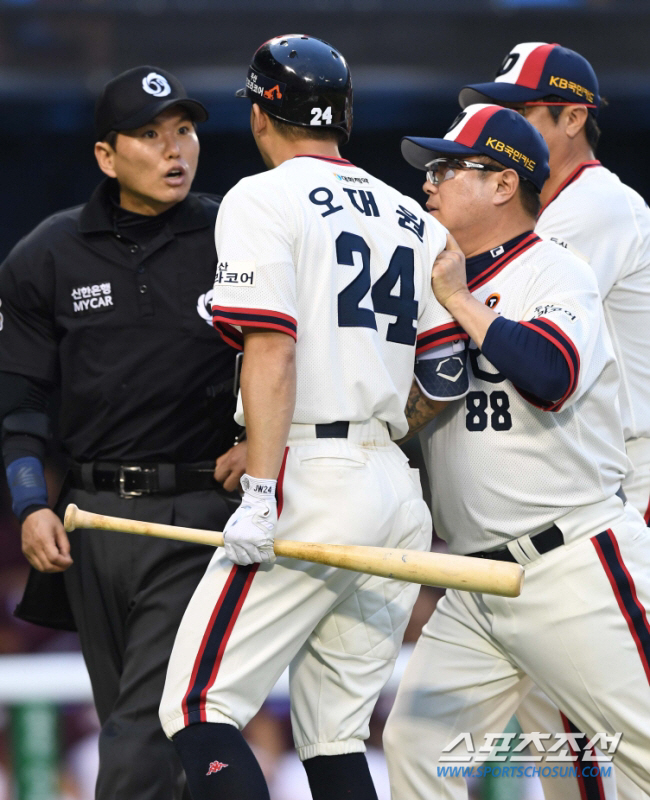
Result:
[
  {"x": 255, "y": 281},
  {"x": 438, "y": 335},
  {"x": 536, "y": 357},
  {"x": 564, "y": 308},
  {"x": 570, "y": 355}
]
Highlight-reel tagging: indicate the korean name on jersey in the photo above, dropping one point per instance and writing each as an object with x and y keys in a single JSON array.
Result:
[{"x": 321, "y": 250}]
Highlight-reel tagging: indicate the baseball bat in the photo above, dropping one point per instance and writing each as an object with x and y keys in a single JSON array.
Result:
[{"x": 432, "y": 569}]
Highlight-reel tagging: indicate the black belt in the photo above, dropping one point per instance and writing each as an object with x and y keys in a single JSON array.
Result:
[
  {"x": 332, "y": 430},
  {"x": 543, "y": 542},
  {"x": 133, "y": 480}
]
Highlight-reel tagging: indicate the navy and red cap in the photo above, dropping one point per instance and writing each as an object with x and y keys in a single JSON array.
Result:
[
  {"x": 487, "y": 130},
  {"x": 135, "y": 97},
  {"x": 534, "y": 70}
]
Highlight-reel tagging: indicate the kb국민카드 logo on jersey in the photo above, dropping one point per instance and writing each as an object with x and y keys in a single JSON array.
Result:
[
  {"x": 91, "y": 299},
  {"x": 156, "y": 84}
]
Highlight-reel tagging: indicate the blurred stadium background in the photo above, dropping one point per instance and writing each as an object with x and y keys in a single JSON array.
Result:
[{"x": 408, "y": 60}]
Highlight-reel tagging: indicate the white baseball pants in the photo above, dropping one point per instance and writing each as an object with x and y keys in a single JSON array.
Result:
[
  {"x": 339, "y": 631},
  {"x": 579, "y": 630},
  {"x": 538, "y": 713}
]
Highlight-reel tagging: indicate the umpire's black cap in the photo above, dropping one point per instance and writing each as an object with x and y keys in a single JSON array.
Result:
[{"x": 138, "y": 95}]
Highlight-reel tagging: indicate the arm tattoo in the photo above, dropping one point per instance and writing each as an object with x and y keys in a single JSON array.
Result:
[{"x": 420, "y": 410}]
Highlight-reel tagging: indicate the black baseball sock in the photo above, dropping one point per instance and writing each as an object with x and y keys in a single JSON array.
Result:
[
  {"x": 345, "y": 777},
  {"x": 219, "y": 764}
]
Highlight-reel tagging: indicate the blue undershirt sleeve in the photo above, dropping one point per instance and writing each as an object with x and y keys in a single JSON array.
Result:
[{"x": 531, "y": 362}]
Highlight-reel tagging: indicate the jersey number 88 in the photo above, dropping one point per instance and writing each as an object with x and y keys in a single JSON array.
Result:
[{"x": 477, "y": 415}]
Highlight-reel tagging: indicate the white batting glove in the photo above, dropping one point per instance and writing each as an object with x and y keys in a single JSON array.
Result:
[{"x": 249, "y": 533}]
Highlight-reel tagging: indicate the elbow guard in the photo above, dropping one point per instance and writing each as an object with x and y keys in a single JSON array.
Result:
[{"x": 441, "y": 373}]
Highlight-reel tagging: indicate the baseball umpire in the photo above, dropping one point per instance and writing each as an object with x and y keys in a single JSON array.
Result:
[
  {"x": 311, "y": 253},
  {"x": 533, "y": 462},
  {"x": 110, "y": 302},
  {"x": 588, "y": 208}
]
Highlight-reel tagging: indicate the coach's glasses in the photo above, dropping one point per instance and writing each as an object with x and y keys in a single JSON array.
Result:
[{"x": 443, "y": 169}]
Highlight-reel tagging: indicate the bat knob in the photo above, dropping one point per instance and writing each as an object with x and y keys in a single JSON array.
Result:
[{"x": 70, "y": 518}]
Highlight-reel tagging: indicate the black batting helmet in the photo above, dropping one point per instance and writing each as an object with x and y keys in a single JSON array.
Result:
[{"x": 303, "y": 81}]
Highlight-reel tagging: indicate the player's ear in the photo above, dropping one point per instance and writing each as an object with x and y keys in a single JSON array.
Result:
[
  {"x": 575, "y": 119},
  {"x": 506, "y": 185},
  {"x": 105, "y": 156},
  {"x": 259, "y": 120}
]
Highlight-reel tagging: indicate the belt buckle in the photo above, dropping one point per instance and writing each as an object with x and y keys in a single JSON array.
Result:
[{"x": 122, "y": 481}]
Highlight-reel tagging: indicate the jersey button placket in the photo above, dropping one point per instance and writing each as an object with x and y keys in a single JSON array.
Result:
[{"x": 145, "y": 301}]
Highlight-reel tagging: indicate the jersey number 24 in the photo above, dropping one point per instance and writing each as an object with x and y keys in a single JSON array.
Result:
[{"x": 403, "y": 307}]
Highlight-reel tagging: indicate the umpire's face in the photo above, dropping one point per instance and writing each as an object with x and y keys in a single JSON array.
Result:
[{"x": 155, "y": 164}]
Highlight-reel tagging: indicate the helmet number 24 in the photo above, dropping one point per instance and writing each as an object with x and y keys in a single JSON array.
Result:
[{"x": 320, "y": 117}]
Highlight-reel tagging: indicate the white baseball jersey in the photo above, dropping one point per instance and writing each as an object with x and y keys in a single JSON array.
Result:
[
  {"x": 504, "y": 463},
  {"x": 315, "y": 240},
  {"x": 609, "y": 225}
]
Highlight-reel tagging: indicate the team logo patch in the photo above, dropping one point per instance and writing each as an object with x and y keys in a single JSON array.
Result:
[
  {"x": 92, "y": 299},
  {"x": 492, "y": 300},
  {"x": 457, "y": 121},
  {"x": 235, "y": 273},
  {"x": 204, "y": 307},
  {"x": 507, "y": 64},
  {"x": 215, "y": 766},
  {"x": 156, "y": 85}
]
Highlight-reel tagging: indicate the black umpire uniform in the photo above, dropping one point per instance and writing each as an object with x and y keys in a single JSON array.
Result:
[{"x": 114, "y": 308}]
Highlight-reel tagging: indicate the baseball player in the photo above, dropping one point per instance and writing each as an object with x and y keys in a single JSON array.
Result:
[
  {"x": 608, "y": 224},
  {"x": 533, "y": 461},
  {"x": 324, "y": 279}
]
